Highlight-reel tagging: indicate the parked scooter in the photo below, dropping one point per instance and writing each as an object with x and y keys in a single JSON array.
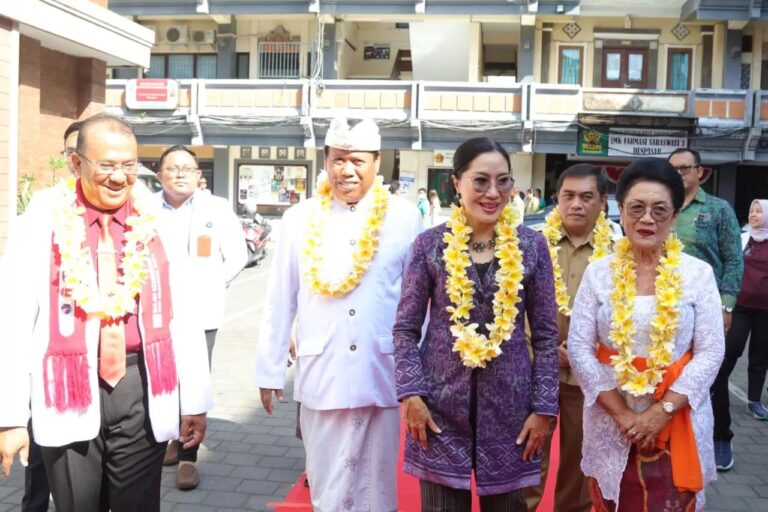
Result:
[{"x": 257, "y": 230}]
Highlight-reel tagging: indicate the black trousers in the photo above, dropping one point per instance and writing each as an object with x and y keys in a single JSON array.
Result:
[
  {"x": 36, "y": 490},
  {"x": 747, "y": 323},
  {"x": 190, "y": 454},
  {"x": 440, "y": 498},
  {"x": 120, "y": 469}
]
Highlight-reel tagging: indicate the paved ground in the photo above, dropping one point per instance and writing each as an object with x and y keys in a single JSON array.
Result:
[{"x": 249, "y": 459}]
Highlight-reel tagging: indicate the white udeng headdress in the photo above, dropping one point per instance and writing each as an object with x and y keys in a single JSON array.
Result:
[{"x": 364, "y": 136}]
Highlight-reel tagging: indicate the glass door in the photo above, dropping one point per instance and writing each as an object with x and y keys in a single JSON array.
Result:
[{"x": 625, "y": 68}]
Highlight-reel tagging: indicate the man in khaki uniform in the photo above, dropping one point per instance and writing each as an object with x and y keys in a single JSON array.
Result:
[{"x": 581, "y": 197}]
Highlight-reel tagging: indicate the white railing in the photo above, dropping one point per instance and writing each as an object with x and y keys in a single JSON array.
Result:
[{"x": 405, "y": 100}]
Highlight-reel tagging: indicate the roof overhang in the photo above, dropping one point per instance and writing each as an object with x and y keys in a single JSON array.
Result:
[
  {"x": 721, "y": 9},
  {"x": 82, "y": 29}
]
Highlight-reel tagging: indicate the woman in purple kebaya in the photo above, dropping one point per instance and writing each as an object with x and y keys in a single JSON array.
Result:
[{"x": 472, "y": 397}]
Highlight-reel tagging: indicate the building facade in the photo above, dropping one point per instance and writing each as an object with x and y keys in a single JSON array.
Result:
[
  {"x": 53, "y": 60},
  {"x": 253, "y": 86}
]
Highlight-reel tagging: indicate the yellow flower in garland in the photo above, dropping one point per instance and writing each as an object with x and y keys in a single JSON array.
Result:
[
  {"x": 79, "y": 276},
  {"x": 366, "y": 247},
  {"x": 475, "y": 349},
  {"x": 553, "y": 231},
  {"x": 664, "y": 323}
]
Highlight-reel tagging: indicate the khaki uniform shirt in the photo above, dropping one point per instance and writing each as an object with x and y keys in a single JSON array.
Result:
[{"x": 573, "y": 261}]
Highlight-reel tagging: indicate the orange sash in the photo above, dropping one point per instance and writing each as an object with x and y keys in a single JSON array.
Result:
[{"x": 677, "y": 436}]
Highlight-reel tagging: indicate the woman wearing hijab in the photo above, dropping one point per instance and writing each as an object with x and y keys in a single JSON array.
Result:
[{"x": 749, "y": 316}]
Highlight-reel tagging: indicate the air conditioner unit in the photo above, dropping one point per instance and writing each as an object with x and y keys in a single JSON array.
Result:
[
  {"x": 153, "y": 28},
  {"x": 204, "y": 36},
  {"x": 176, "y": 34}
]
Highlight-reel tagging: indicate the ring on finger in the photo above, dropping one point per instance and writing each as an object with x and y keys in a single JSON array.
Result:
[{"x": 632, "y": 433}]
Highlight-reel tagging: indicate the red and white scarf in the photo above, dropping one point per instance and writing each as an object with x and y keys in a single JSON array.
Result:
[{"x": 65, "y": 365}]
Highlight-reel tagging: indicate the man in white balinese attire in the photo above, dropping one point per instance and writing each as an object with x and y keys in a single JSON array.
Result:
[{"x": 337, "y": 272}]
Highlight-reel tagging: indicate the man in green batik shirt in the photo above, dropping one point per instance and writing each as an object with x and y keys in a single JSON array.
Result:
[{"x": 708, "y": 228}]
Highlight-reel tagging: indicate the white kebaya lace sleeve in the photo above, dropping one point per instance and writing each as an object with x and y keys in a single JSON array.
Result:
[
  {"x": 584, "y": 335},
  {"x": 708, "y": 336}
]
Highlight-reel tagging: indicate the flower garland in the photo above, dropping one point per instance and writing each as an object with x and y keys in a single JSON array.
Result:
[
  {"x": 78, "y": 274},
  {"x": 476, "y": 349},
  {"x": 366, "y": 246},
  {"x": 664, "y": 324},
  {"x": 553, "y": 231}
]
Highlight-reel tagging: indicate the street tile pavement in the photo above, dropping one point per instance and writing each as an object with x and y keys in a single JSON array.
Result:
[{"x": 745, "y": 487}]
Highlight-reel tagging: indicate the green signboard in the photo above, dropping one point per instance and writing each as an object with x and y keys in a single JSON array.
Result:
[{"x": 592, "y": 142}]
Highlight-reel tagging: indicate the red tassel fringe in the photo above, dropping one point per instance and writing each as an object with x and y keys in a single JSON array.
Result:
[
  {"x": 161, "y": 365},
  {"x": 71, "y": 389}
]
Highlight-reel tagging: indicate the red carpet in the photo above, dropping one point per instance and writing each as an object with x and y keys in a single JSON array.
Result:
[{"x": 408, "y": 488}]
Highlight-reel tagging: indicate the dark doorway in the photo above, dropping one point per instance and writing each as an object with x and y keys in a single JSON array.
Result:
[
  {"x": 751, "y": 184},
  {"x": 440, "y": 180}
]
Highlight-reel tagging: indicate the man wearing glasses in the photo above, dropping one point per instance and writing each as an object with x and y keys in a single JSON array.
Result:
[
  {"x": 207, "y": 234},
  {"x": 87, "y": 335},
  {"x": 708, "y": 228},
  {"x": 36, "y": 489}
]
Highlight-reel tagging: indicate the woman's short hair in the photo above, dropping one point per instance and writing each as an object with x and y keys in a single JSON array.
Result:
[
  {"x": 173, "y": 149},
  {"x": 655, "y": 170},
  {"x": 471, "y": 149}
]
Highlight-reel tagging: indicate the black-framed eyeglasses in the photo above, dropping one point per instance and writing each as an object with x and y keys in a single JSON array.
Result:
[
  {"x": 184, "y": 170},
  {"x": 684, "y": 170},
  {"x": 104, "y": 167},
  {"x": 659, "y": 213},
  {"x": 481, "y": 184}
]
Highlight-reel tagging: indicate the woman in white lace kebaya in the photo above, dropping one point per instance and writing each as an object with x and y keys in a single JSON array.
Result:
[{"x": 647, "y": 424}]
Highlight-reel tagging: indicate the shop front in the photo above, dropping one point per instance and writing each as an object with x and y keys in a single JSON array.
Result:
[{"x": 270, "y": 187}]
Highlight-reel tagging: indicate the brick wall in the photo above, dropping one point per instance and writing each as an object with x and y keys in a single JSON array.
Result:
[
  {"x": 6, "y": 209},
  {"x": 54, "y": 90}
]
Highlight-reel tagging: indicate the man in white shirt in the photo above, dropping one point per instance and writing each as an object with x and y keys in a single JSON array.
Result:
[
  {"x": 337, "y": 271},
  {"x": 97, "y": 358},
  {"x": 207, "y": 234}
]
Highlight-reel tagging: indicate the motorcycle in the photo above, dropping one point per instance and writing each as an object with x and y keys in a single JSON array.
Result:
[{"x": 257, "y": 230}]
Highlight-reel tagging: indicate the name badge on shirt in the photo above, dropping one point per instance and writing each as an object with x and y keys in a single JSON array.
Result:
[{"x": 204, "y": 246}]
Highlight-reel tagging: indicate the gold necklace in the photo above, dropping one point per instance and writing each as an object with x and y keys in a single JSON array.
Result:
[{"x": 475, "y": 349}]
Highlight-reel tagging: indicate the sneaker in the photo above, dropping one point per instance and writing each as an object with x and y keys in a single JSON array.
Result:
[
  {"x": 759, "y": 412},
  {"x": 723, "y": 455}
]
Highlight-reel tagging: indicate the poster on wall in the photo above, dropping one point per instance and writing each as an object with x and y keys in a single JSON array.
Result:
[
  {"x": 271, "y": 184},
  {"x": 407, "y": 183},
  {"x": 376, "y": 51}
]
